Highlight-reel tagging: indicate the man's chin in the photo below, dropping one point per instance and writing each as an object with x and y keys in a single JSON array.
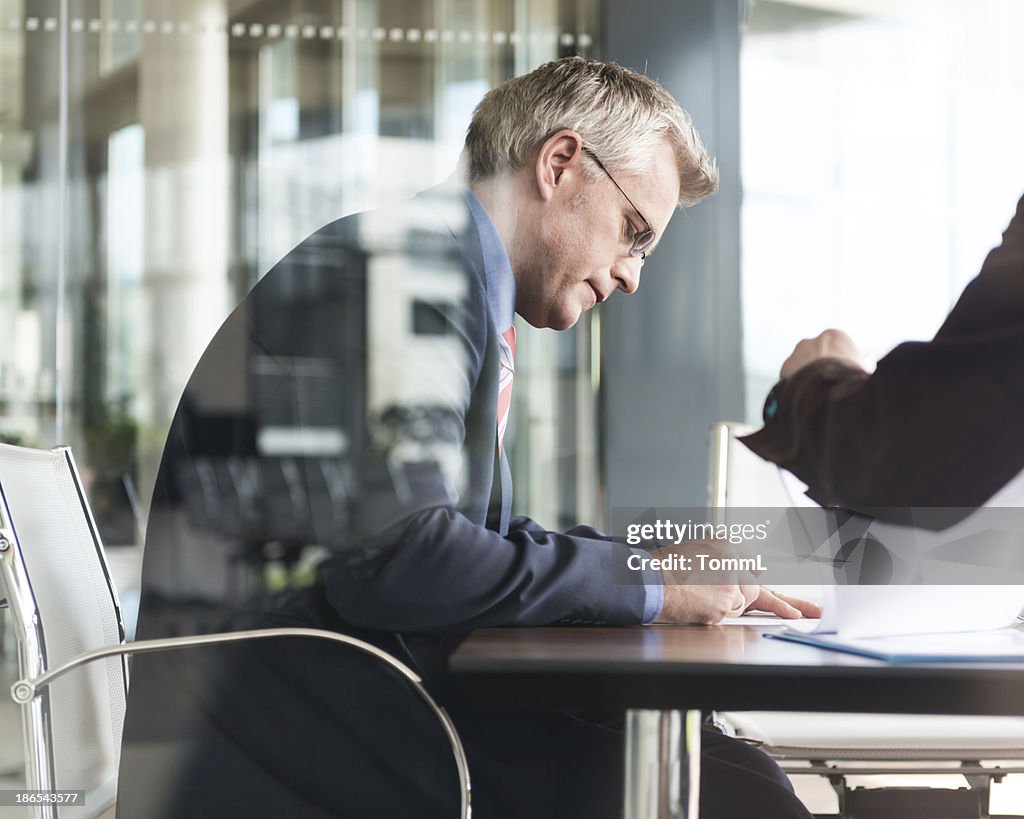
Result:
[
  {"x": 566, "y": 318},
  {"x": 561, "y": 320}
]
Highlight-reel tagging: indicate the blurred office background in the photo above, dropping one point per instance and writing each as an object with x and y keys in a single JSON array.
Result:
[
  {"x": 881, "y": 161},
  {"x": 157, "y": 157}
]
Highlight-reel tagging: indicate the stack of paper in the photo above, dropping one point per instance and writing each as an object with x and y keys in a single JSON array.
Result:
[{"x": 918, "y": 623}]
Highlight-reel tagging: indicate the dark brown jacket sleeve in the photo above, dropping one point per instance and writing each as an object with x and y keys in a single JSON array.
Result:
[{"x": 939, "y": 423}]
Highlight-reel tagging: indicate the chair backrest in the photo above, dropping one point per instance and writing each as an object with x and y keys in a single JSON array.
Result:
[
  {"x": 739, "y": 478},
  {"x": 63, "y": 603}
]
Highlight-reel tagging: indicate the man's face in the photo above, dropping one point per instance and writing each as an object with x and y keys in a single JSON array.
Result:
[{"x": 579, "y": 250}]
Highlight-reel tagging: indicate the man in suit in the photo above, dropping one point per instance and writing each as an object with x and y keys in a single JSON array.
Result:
[
  {"x": 357, "y": 399},
  {"x": 935, "y": 425}
]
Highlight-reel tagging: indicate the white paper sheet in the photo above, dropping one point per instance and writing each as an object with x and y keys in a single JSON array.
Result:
[{"x": 876, "y": 611}]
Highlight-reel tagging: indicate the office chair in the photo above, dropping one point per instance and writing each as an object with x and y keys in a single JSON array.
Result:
[
  {"x": 840, "y": 745},
  {"x": 66, "y": 618}
]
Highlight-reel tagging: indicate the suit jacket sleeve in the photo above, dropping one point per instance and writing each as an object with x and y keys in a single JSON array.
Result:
[
  {"x": 937, "y": 424},
  {"x": 443, "y": 573}
]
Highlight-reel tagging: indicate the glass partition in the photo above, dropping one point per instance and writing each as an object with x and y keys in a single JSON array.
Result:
[{"x": 157, "y": 157}]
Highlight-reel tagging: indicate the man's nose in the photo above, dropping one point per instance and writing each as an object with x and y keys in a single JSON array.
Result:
[{"x": 626, "y": 273}]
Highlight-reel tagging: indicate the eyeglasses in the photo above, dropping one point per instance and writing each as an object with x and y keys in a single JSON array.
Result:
[{"x": 643, "y": 240}]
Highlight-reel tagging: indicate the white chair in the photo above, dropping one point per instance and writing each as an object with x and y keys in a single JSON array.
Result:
[
  {"x": 66, "y": 617},
  {"x": 842, "y": 745}
]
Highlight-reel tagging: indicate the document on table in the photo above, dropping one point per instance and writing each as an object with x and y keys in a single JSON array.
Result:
[{"x": 917, "y": 623}]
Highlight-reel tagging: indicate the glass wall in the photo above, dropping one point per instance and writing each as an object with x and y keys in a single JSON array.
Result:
[
  {"x": 881, "y": 161},
  {"x": 157, "y": 157}
]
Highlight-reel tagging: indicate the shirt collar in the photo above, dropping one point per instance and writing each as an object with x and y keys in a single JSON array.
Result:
[{"x": 501, "y": 282}]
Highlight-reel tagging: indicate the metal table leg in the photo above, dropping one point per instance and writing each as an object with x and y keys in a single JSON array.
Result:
[{"x": 662, "y": 764}]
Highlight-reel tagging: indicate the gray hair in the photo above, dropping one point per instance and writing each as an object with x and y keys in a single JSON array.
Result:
[{"x": 621, "y": 115}]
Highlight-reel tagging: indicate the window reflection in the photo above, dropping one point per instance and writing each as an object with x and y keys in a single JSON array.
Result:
[{"x": 204, "y": 141}]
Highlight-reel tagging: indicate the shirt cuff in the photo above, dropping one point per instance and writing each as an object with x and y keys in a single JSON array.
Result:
[
  {"x": 655, "y": 601},
  {"x": 654, "y": 589}
]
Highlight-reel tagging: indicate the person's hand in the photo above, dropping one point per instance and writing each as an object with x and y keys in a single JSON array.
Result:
[
  {"x": 829, "y": 344},
  {"x": 786, "y": 607},
  {"x": 706, "y": 604},
  {"x": 707, "y": 598},
  {"x": 693, "y": 598}
]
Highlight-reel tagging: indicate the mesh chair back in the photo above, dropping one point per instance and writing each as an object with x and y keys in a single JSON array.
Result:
[{"x": 66, "y": 605}]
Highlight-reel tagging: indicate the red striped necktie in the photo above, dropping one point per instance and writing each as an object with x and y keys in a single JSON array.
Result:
[{"x": 506, "y": 372}]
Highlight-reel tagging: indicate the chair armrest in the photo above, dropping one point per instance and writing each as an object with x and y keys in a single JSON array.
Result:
[{"x": 25, "y": 690}]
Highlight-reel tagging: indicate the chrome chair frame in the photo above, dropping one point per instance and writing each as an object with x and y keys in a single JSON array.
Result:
[{"x": 31, "y": 690}]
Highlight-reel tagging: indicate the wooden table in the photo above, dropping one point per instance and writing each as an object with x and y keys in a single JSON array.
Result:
[{"x": 655, "y": 673}]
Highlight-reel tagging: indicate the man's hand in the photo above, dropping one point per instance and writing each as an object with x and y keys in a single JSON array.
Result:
[
  {"x": 786, "y": 607},
  {"x": 830, "y": 344},
  {"x": 706, "y": 604},
  {"x": 688, "y": 600}
]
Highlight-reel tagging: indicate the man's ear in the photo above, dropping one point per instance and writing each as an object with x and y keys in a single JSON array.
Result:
[{"x": 561, "y": 152}]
